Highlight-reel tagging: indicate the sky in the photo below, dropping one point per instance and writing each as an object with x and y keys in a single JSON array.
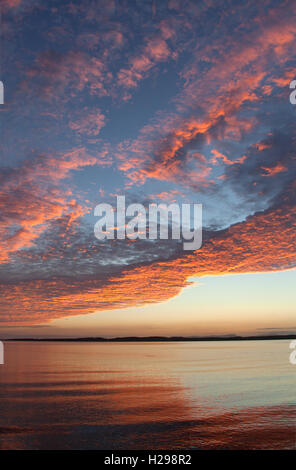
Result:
[{"x": 162, "y": 102}]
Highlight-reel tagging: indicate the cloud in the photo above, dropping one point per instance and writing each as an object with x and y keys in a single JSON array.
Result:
[
  {"x": 278, "y": 168},
  {"x": 155, "y": 51},
  {"x": 227, "y": 135},
  {"x": 89, "y": 123},
  {"x": 219, "y": 156},
  {"x": 211, "y": 105},
  {"x": 56, "y": 73},
  {"x": 31, "y": 198},
  {"x": 263, "y": 242}
]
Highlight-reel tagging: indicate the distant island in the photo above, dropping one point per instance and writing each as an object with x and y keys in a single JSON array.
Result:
[{"x": 151, "y": 339}]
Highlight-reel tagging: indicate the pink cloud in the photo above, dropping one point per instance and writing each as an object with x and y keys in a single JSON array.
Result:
[
  {"x": 90, "y": 124},
  {"x": 74, "y": 70},
  {"x": 235, "y": 77},
  {"x": 32, "y": 199},
  {"x": 154, "y": 52}
]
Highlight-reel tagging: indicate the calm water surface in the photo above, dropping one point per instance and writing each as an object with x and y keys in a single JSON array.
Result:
[{"x": 209, "y": 395}]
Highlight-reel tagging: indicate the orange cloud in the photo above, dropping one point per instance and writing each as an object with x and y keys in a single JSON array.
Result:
[
  {"x": 278, "y": 168},
  {"x": 239, "y": 75},
  {"x": 262, "y": 146},
  {"x": 264, "y": 242},
  {"x": 236, "y": 77},
  {"x": 30, "y": 199},
  {"x": 218, "y": 155}
]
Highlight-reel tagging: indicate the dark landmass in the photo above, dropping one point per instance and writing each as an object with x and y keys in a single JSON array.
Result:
[{"x": 151, "y": 339}]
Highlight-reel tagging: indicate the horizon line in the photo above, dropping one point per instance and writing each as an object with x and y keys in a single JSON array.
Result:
[{"x": 157, "y": 338}]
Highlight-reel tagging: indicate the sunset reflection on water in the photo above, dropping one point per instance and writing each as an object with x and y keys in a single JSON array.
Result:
[{"x": 208, "y": 395}]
